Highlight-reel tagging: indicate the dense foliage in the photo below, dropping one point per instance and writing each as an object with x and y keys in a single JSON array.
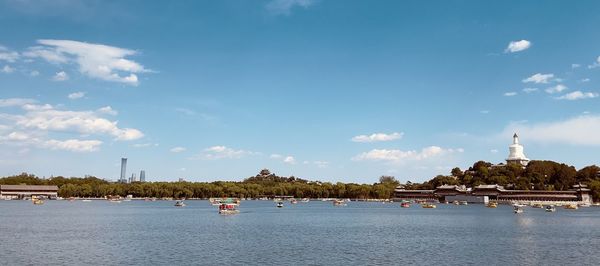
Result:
[
  {"x": 538, "y": 175},
  {"x": 264, "y": 184}
]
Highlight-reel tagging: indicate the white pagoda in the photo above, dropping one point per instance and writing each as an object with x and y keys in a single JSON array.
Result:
[{"x": 516, "y": 155}]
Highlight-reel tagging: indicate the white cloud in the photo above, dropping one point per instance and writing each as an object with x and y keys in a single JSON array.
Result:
[
  {"x": 76, "y": 95},
  {"x": 7, "y": 55},
  {"x": 494, "y": 151},
  {"x": 321, "y": 164},
  {"x": 46, "y": 118},
  {"x": 144, "y": 145},
  {"x": 399, "y": 155},
  {"x": 581, "y": 130},
  {"x": 177, "y": 149},
  {"x": 34, "y": 73},
  {"x": 530, "y": 90},
  {"x": 376, "y": 137},
  {"x": 539, "y": 78},
  {"x": 73, "y": 145},
  {"x": 595, "y": 64},
  {"x": 107, "y": 110},
  {"x": 276, "y": 156},
  {"x": 16, "y": 102},
  {"x": 485, "y": 112},
  {"x": 7, "y": 69},
  {"x": 578, "y": 95},
  {"x": 510, "y": 93},
  {"x": 289, "y": 160},
  {"x": 284, "y": 7},
  {"x": 223, "y": 152},
  {"x": 60, "y": 76},
  {"x": 94, "y": 60},
  {"x": 573, "y": 66},
  {"x": 517, "y": 46},
  {"x": 556, "y": 89},
  {"x": 584, "y": 80}
]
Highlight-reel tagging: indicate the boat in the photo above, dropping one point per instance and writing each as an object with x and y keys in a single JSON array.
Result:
[
  {"x": 585, "y": 205},
  {"x": 338, "y": 202},
  {"x": 228, "y": 208},
  {"x": 597, "y": 204},
  {"x": 405, "y": 204},
  {"x": 492, "y": 204},
  {"x": 550, "y": 208},
  {"x": 429, "y": 206},
  {"x": 37, "y": 201},
  {"x": 456, "y": 202},
  {"x": 280, "y": 204},
  {"x": 86, "y": 200},
  {"x": 293, "y": 201},
  {"x": 518, "y": 209},
  {"x": 464, "y": 202},
  {"x": 305, "y": 200},
  {"x": 179, "y": 203},
  {"x": 537, "y": 205},
  {"x": 571, "y": 207}
]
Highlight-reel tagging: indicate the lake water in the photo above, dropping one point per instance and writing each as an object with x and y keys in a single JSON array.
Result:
[{"x": 314, "y": 233}]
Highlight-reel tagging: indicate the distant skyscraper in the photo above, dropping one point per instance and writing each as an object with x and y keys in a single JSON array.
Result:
[
  {"x": 132, "y": 179},
  {"x": 142, "y": 176},
  {"x": 123, "y": 170}
]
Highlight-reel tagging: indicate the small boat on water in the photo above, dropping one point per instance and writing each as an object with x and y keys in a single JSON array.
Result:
[
  {"x": 464, "y": 202},
  {"x": 293, "y": 201},
  {"x": 179, "y": 203},
  {"x": 280, "y": 204},
  {"x": 305, "y": 200},
  {"x": 228, "y": 208},
  {"x": 492, "y": 204},
  {"x": 571, "y": 207},
  {"x": 37, "y": 201},
  {"x": 428, "y": 206},
  {"x": 339, "y": 202},
  {"x": 405, "y": 204},
  {"x": 585, "y": 205},
  {"x": 537, "y": 205},
  {"x": 86, "y": 200},
  {"x": 456, "y": 202},
  {"x": 113, "y": 199},
  {"x": 518, "y": 209},
  {"x": 550, "y": 208}
]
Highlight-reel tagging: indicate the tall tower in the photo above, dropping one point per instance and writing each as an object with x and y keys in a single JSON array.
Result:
[
  {"x": 123, "y": 178},
  {"x": 516, "y": 155},
  {"x": 143, "y": 176}
]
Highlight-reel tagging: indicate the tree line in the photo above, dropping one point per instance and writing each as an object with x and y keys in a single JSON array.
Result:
[{"x": 537, "y": 175}]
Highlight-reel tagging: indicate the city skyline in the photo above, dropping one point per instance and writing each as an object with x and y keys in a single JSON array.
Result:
[{"x": 321, "y": 90}]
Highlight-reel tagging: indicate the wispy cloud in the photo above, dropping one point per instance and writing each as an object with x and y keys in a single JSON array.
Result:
[
  {"x": 76, "y": 95},
  {"x": 289, "y": 160},
  {"x": 578, "y": 95},
  {"x": 177, "y": 149},
  {"x": 510, "y": 93},
  {"x": 539, "y": 78},
  {"x": 284, "y": 7},
  {"x": 223, "y": 152},
  {"x": 8, "y": 55},
  {"x": 377, "y": 137},
  {"x": 517, "y": 46},
  {"x": 573, "y": 66},
  {"x": 144, "y": 145},
  {"x": 595, "y": 64},
  {"x": 99, "y": 61},
  {"x": 107, "y": 110},
  {"x": 7, "y": 69},
  {"x": 581, "y": 130},
  {"x": 399, "y": 155},
  {"x": 556, "y": 89},
  {"x": 60, "y": 76},
  {"x": 530, "y": 90}
]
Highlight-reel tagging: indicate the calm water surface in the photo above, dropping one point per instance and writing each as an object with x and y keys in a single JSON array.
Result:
[{"x": 315, "y": 233}]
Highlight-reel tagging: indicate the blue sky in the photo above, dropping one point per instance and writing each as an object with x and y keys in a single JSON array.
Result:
[{"x": 325, "y": 90}]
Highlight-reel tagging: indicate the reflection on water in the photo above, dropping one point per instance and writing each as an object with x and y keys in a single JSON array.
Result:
[{"x": 315, "y": 233}]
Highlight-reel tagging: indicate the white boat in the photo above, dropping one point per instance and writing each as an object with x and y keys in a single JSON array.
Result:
[
  {"x": 339, "y": 203},
  {"x": 86, "y": 200},
  {"x": 550, "y": 208},
  {"x": 518, "y": 209},
  {"x": 464, "y": 202},
  {"x": 280, "y": 204},
  {"x": 179, "y": 203},
  {"x": 585, "y": 205}
]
